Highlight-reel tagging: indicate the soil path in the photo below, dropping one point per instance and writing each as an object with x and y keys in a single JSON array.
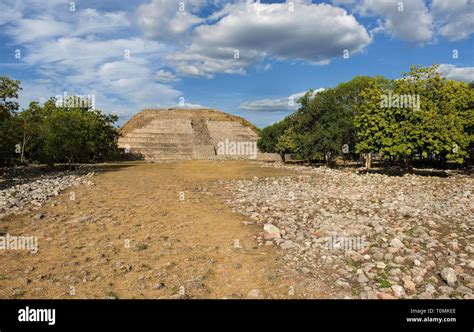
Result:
[{"x": 145, "y": 231}]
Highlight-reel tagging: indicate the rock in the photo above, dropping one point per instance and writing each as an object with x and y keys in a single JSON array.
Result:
[
  {"x": 287, "y": 244},
  {"x": 354, "y": 255},
  {"x": 386, "y": 296},
  {"x": 396, "y": 243},
  {"x": 362, "y": 278},
  {"x": 409, "y": 285},
  {"x": 445, "y": 290},
  {"x": 271, "y": 232},
  {"x": 39, "y": 216},
  {"x": 449, "y": 276},
  {"x": 399, "y": 260},
  {"x": 416, "y": 262},
  {"x": 255, "y": 294},
  {"x": 398, "y": 290},
  {"x": 430, "y": 289},
  {"x": 463, "y": 290},
  {"x": 343, "y": 284},
  {"x": 380, "y": 265}
]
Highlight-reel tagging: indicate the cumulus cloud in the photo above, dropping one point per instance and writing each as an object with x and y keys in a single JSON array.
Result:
[
  {"x": 168, "y": 19},
  {"x": 410, "y": 21},
  {"x": 240, "y": 35},
  {"x": 455, "y": 18},
  {"x": 276, "y": 105},
  {"x": 465, "y": 74},
  {"x": 118, "y": 72},
  {"x": 166, "y": 76}
]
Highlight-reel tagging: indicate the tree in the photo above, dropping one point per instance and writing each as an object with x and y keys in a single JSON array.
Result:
[
  {"x": 321, "y": 125},
  {"x": 286, "y": 143},
  {"x": 79, "y": 134},
  {"x": 9, "y": 133},
  {"x": 269, "y": 135},
  {"x": 421, "y": 114}
]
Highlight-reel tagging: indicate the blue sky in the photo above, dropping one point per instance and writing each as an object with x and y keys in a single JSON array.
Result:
[{"x": 247, "y": 58}]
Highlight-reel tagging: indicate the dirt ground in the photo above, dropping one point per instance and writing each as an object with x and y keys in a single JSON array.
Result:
[{"x": 146, "y": 231}]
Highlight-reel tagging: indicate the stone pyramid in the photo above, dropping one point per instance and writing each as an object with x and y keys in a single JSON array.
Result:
[{"x": 185, "y": 134}]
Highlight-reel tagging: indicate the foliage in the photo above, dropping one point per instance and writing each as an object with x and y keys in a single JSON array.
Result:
[
  {"x": 436, "y": 126},
  {"x": 9, "y": 137},
  {"x": 66, "y": 131},
  {"x": 286, "y": 143}
]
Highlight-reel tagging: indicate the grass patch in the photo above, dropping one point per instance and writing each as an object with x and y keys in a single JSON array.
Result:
[{"x": 383, "y": 281}]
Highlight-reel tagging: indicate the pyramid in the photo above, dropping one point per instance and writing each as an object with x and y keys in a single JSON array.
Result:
[{"x": 187, "y": 134}]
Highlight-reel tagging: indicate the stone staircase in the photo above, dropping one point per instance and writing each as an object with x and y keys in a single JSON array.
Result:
[{"x": 203, "y": 148}]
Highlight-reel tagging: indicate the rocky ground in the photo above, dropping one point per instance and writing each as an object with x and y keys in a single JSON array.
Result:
[
  {"x": 22, "y": 188},
  {"x": 366, "y": 235},
  {"x": 238, "y": 229}
]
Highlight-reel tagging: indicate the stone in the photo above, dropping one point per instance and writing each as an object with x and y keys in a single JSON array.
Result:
[
  {"x": 446, "y": 290},
  {"x": 287, "y": 244},
  {"x": 380, "y": 265},
  {"x": 343, "y": 284},
  {"x": 449, "y": 276},
  {"x": 409, "y": 285},
  {"x": 386, "y": 296},
  {"x": 398, "y": 291},
  {"x": 362, "y": 278},
  {"x": 430, "y": 289},
  {"x": 255, "y": 294},
  {"x": 463, "y": 290},
  {"x": 396, "y": 243},
  {"x": 354, "y": 255},
  {"x": 271, "y": 232},
  {"x": 399, "y": 260}
]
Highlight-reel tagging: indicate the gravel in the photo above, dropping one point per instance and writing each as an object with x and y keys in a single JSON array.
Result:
[
  {"x": 386, "y": 236},
  {"x": 35, "y": 192}
]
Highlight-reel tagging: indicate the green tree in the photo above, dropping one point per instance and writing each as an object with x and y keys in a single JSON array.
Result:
[
  {"x": 79, "y": 134},
  {"x": 9, "y": 130},
  {"x": 421, "y": 114},
  {"x": 322, "y": 126},
  {"x": 287, "y": 143},
  {"x": 269, "y": 135}
]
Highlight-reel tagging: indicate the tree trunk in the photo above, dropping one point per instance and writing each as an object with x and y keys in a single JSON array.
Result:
[
  {"x": 368, "y": 161},
  {"x": 327, "y": 158},
  {"x": 282, "y": 155}
]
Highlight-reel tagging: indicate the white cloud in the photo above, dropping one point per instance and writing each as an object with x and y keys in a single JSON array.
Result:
[
  {"x": 410, "y": 21},
  {"x": 168, "y": 19},
  {"x": 27, "y": 30},
  {"x": 165, "y": 76},
  {"x": 9, "y": 11},
  {"x": 465, "y": 74},
  {"x": 455, "y": 18},
  {"x": 312, "y": 33},
  {"x": 81, "y": 53},
  {"x": 90, "y": 21},
  {"x": 276, "y": 105}
]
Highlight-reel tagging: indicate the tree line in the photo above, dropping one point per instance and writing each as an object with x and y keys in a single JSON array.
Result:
[
  {"x": 65, "y": 131},
  {"x": 421, "y": 117}
]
